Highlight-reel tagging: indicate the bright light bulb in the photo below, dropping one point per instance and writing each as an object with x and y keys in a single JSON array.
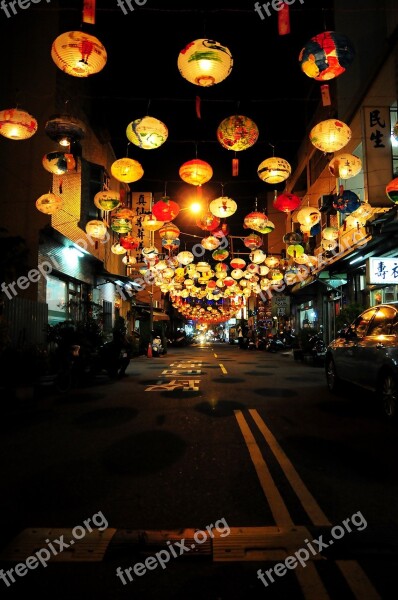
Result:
[{"x": 195, "y": 207}]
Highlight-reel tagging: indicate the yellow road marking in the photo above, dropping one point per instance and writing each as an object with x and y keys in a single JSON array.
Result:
[{"x": 223, "y": 369}]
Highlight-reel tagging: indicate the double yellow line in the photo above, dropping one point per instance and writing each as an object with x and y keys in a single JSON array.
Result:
[{"x": 308, "y": 578}]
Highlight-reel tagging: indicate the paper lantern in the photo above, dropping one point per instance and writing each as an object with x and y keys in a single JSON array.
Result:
[
  {"x": 150, "y": 252},
  {"x": 347, "y": 202},
  {"x": 205, "y": 62},
  {"x": 223, "y": 207},
  {"x": 220, "y": 255},
  {"x": 79, "y": 54},
  {"x": 165, "y": 209},
  {"x": 151, "y": 223},
  {"x": 274, "y": 170},
  {"x": 107, "y": 200},
  {"x": 392, "y": 190},
  {"x": 238, "y": 263},
  {"x": 127, "y": 170},
  {"x": 293, "y": 237},
  {"x": 96, "y": 229},
  {"x": 255, "y": 220},
  {"x": 237, "y": 273},
  {"x": 185, "y": 257},
  {"x": 221, "y": 231},
  {"x": 363, "y": 211},
  {"x": 267, "y": 227},
  {"x": 272, "y": 261},
  {"x": 330, "y": 233},
  {"x": 295, "y": 250},
  {"x": 147, "y": 133},
  {"x": 129, "y": 242},
  {"x": 196, "y": 172},
  {"x": 328, "y": 245},
  {"x": 286, "y": 202},
  {"x": 129, "y": 260},
  {"x": 58, "y": 163},
  {"x": 118, "y": 249},
  {"x": 171, "y": 244},
  {"x": 208, "y": 221},
  {"x": 257, "y": 256},
  {"x": 345, "y": 166},
  {"x": 326, "y": 56},
  {"x": 169, "y": 231},
  {"x": 309, "y": 216},
  {"x": 121, "y": 224},
  {"x": 253, "y": 241},
  {"x": 17, "y": 124},
  {"x": 330, "y": 135},
  {"x": 65, "y": 129},
  {"x": 210, "y": 242},
  {"x": 237, "y": 133},
  {"x": 49, "y": 204}
]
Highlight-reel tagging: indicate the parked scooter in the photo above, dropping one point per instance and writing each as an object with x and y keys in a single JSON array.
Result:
[
  {"x": 157, "y": 347},
  {"x": 317, "y": 348},
  {"x": 274, "y": 344}
]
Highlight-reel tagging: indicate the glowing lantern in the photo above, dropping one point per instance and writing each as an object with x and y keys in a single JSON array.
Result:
[
  {"x": 151, "y": 223},
  {"x": 295, "y": 250},
  {"x": 392, "y": 190},
  {"x": 229, "y": 281},
  {"x": 107, "y": 200},
  {"x": 129, "y": 260},
  {"x": 220, "y": 255},
  {"x": 238, "y": 263},
  {"x": 330, "y": 135},
  {"x": 79, "y": 54},
  {"x": 308, "y": 216},
  {"x": 96, "y": 229},
  {"x": 165, "y": 209},
  {"x": 255, "y": 220},
  {"x": 49, "y": 203},
  {"x": 129, "y": 242},
  {"x": 210, "y": 242},
  {"x": 223, "y": 207},
  {"x": 196, "y": 172},
  {"x": 17, "y": 124},
  {"x": 237, "y": 133},
  {"x": 185, "y": 257},
  {"x": 272, "y": 262},
  {"x": 208, "y": 222},
  {"x": 221, "y": 231},
  {"x": 264, "y": 270},
  {"x": 150, "y": 252},
  {"x": 237, "y": 273},
  {"x": 127, "y": 170},
  {"x": 364, "y": 211},
  {"x": 118, "y": 249},
  {"x": 274, "y": 170},
  {"x": 345, "y": 166},
  {"x": 276, "y": 275},
  {"x": 58, "y": 163},
  {"x": 328, "y": 245},
  {"x": 267, "y": 227},
  {"x": 253, "y": 241},
  {"x": 292, "y": 238},
  {"x": 205, "y": 62},
  {"x": 257, "y": 256},
  {"x": 330, "y": 233},
  {"x": 286, "y": 202},
  {"x": 326, "y": 56},
  {"x": 169, "y": 231},
  {"x": 171, "y": 244},
  {"x": 121, "y": 224},
  {"x": 147, "y": 133}
]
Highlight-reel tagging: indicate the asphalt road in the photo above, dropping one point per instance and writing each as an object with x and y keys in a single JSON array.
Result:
[{"x": 245, "y": 455}]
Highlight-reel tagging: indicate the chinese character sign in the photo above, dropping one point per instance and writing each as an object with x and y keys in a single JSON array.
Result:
[
  {"x": 141, "y": 204},
  {"x": 382, "y": 271},
  {"x": 377, "y": 134}
]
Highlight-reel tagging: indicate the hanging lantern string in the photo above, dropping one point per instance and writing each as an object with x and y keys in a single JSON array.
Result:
[
  {"x": 165, "y": 188},
  {"x": 127, "y": 149},
  {"x": 148, "y": 107},
  {"x": 273, "y": 148}
]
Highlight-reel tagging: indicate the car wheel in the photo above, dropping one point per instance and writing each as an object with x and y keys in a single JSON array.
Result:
[
  {"x": 333, "y": 382},
  {"x": 388, "y": 390}
]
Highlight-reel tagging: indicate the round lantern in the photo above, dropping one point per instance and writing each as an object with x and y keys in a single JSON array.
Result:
[
  {"x": 309, "y": 216},
  {"x": 229, "y": 281},
  {"x": 96, "y": 229},
  {"x": 237, "y": 133},
  {"x": 210, "y": 242},
  {"x": 238, "y": 263},
  {"x": 267, "y": 227},
  {"x": 171, "y": 244},
  {"x": 272, "y": 262},
  {"x": 330, "y": 135},
  {"x": 221, "y": 231},
  {"x": 58, "y": 163},
  {"x": 208, "y": 222},
  {"x": 315, "y": 230},
  {"x": 295, "y": 250},
  {"x": 347, "y": 202},
  {"x": 165, "y": 209},
  {"x": 147, "y": 133},
  {"x": 326, "y": 56},
  {"x": 223, "y": 207},
  {"x": 253, "y": 241},
  {"x": 274, "y": 170},
  {"x": 237, "y": 273},
  {"x": 364, "y": 211},
  {"x": 129, "y": 242},
  {"x": 255, "y": 220},
  {"x": 196, "y": 172},
  {"x": 205, "y": 62},
  {"x": 330, "y": 233},
  {"x": 79, "y": 54},
  {"x": 151, "y": 223},
  {"x": 107, "y": 200},
  {"x": 293, "y": 238},
  {"x": 286, "y": 202},
  {"x": 345, "y": 166},
  {"x": 329, "y": 245},
  {"x": 129, "y": 260},
  {"x": 121, "y": 224},
  {"x": 127, "y": 170},
  {"x": 118, "y": 249},
  {"x": 392, "y": 190},
  {"x": 185, "y": 257},
  {"x": 17, "y": 124},
  {"x": 150, "y": 252},
  {"x": 49, "y": 203},
  {"x": 220, "y": 255},
  {"x": 169, "y": 231},
  {"x": 257, "y": 256}
]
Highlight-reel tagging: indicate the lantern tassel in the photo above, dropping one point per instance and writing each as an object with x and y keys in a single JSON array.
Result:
[
  {"x": 284, "y": 20},
  {"x": 89, "y": 12},
  {"x": 325, "y": 93},
  {"x": 235, "y": 167},
  {"x": 198, "y": 107}
]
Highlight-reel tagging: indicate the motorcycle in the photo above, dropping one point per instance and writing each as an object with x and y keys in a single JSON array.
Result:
[
  {"x": 157, "y": 347},
  {"x": 317, "y": 349},
  {"x": 274, "y": 344}
]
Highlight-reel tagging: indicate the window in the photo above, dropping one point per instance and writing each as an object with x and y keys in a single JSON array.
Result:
[
  {"x": 382, "y": 323},
  {"x": 361, "y": 323},
  {"x": 57, "y": 300}
]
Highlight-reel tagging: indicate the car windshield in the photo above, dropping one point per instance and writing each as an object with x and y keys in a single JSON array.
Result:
[{"x": 383, "y": 321}]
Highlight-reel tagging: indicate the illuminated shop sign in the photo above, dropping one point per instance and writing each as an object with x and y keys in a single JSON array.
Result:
[{"x": 382, "y": 271}]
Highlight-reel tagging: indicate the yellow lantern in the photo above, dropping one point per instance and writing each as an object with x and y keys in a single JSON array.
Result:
[
  {"x": 127, "y": 170},
  {"x": 49, "y": 203},
  {"x": 257, "y": 256},
  {"x": 308, "y": 216},
  {"x": 118, "y": 249},
  {"x": 330, "y": 135},
  {"x": 345, "y": 166},
  {"x": 274, "y": 170},
  {"x": 96, "y": 229},
  {"x": 185, "y": 257},
  {"x": 210, "y": 242},
  {"x": 58, "y": 163},
  {"x": 79, "y": 54},
  {"x": 255, "y": 220},
  {"x": 196, "y": 172},
  {"x": 328, "y": 245},
  {"x": 205, "y": 62},
  {"x": 237, "y": 133},
  {"x": 147, "y": 133},
  {"x": 17, "y": 124},
  {"x": 272, "y": 262},
  {"x": 295, "y": 250},
  {"x": 151, "y": 223},
  {"x": 223, "y": 207},
  {"x": 330, "y": 233},
  {"x": 107, "y": 200},
  {"x": 169, "y": 231}
]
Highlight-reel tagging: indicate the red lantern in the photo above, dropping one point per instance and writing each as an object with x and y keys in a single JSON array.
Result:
[
  {"x": 287, "y": 202},
  {"x": 165, "y": 209},
  {"x": 129, "y": 242},
  {"x": 253, "y": 241},
  {"x": 208, "y": 222},
  {"x": 221, "y": 231}
]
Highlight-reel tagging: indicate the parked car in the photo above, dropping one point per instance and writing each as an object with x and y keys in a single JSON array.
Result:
[{"x": 366, "y": 355}]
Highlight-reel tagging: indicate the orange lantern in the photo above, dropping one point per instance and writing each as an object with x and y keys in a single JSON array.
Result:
[
  {"x": 169, "y": 231},
  {"x": 237, "y": 133},
  {"x": 17, "y": 124},
  {"x": 127, "y": 170},
  {"x": 79, "y": 54},
  {"x": 196, "y": 172},
  {"x": 165, "y": 209},
  {"x": 208, "y": 221}
]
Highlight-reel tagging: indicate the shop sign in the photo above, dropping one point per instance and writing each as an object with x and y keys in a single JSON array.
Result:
[{"x": 382, "y": 271}]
